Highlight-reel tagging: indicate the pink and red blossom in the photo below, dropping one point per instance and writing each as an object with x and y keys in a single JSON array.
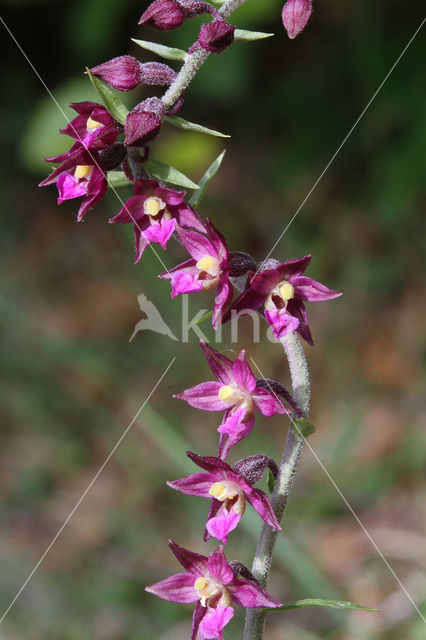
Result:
[
  {"x": 229, "y": 491},
  {"x": 156, "y": 212},
  {"x": 213, "y": 585},
  {"x": 237, "y": 393},
  {"x": 281, "y": 289}
]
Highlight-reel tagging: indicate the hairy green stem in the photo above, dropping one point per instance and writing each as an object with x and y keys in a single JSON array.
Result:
[
  {"x": 194, "y": 61},
  {"x": 255, "y": 618}
]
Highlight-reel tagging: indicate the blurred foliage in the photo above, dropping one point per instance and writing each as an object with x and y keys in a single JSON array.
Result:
[{"x": 68, "y": 298}]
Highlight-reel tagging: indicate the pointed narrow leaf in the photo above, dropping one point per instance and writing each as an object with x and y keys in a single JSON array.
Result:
[
  {"x": 206, "y": 316},
  {"x": 166, "y": 173},
  {"x": 302, "y": 427},
  {"x": 197, "y": 196},
  {"x": 118, "y": 179},
  {"x": 241, "y": 35},
  {"x": 318, "y": 602},
  {"x": 160, "y": 49},
  {"x": 181, "y": 123},
  {"x": 116, "y": 108}
]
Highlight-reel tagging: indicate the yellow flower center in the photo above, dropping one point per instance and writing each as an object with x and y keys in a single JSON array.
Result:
[
  {"x": 225, "y": 392},
  {"x": 205, "y": 263},
  {"x": 287, "y": 291},
  {"x": 93, "y": 124},
  {"x": 153, "y": 206},
  {"x": 200, "y": 584},
  {"x": 218, "y": 491},
  {"x": 82, "y": 171}
]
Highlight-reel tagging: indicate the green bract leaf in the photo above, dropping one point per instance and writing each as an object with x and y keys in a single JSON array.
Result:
[
  {"x": 206, "y": 316},
  {"x": 302, "y": 427},
  {"x": 118, "y": 179},
  {"x": 318, "y": 602},
  {"x": 160, "y": 49},
  {"x": 271, "y": 481},
  {"x": 166, "y": 173},
  {"x": 196, "y": 197},
  {"x": 241, "y": 35},
  {"x": 116, "y": 108},
  {"x": 180, "y": 123}
]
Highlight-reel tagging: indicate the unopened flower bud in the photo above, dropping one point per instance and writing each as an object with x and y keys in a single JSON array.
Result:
[
  {"x": 157, "y": 73},
  {"x": 123, "y": 73},
  {"x": 216, "y": 36},
  {"x": 295, "y": 16},
  {"x": 143, "y": 122},
  {"x": 163, "y": 15}
]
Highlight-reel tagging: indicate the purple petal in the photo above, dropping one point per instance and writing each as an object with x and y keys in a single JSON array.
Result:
[
  {"x": 219, "y": 364},
  {"x": 160, "y": 233},
  {"x": 211, "y": 464},
  {"x": 234, "y": 428},
  {"x": 193, "y": 562},
  {"x": 204, "y": 396},
  {"x": 261, "y": 503},
  {"x": 311, "y": 290},
  {"x": 170, "y": 196},
  {"x": 242, "y": 373},
  {"x": 177, "y": 588},
  {"x": 219, "y": 568},
  {"x": 185, "y": 281},
  {"x": 96, "y": 189},
  {"x": 245, "y": 303},
  {"x": 132, "y": 211},
  {"x": 199, "y": 613},
  {"x": 198, "y": 484},
  {"x": 196, "y": 244},
  {"x": 297, "y": 309},
  {"x": 141, "y": 242},
  {"x": 215, "y": 506},
  {"x": 218, "y": 241},
  {"x": 265, "y": 281},
  {"x": 167, "y": 275},
  {"x": 69, "y": 187},
  {"x": 249, "y": 594},
  {"x": 222, "y": 524},
  {"x": 214, "y": 621},
  {"x": 268, "y": 403},
  {"x": 281, "y": 322},
  {"x": 294, "y": 267},
  {"x": 187, "y": 217},
  {"x": 224, "y": 294}
]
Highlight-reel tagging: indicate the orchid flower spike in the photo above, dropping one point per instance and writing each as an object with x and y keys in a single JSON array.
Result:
[
  {"x": 213, "y": 585},
  {"x": 236, "y": 393},
  {"x": 229, "y": 490}
]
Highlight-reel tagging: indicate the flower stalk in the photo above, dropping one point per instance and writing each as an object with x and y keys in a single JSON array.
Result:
[
  {"x": 255, "y": 618},
  {"x": 194, "y": 61}
]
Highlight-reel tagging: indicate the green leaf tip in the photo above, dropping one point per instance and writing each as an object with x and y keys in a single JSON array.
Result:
[
  {"x": 318, "y": 602},
  {"x": 160, "y": 49},
  {"x": 197, "y": 196},
  {"x": 206, "y": 316},
  {"x": 118, "y": 179},
  {"x": 181, "y": 123},
  {"x": 241, "y": 35},
  {"x": 166, "y": 173},
  {"x": 302, "y": 427},
  {"x": 113, "y": 104},
  {"x": 271, "y": 481}
]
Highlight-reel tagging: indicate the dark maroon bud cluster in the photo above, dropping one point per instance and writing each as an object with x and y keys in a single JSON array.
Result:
[
  {"x": 166, "y": 15},
  {"x": 216, "y": 36}
]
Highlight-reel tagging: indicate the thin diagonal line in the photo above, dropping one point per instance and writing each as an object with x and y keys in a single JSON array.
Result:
[
  {"x": 80, "y": 500},
  {"x": 113, "y": 189},
  {"x": 343, "y": 497},
  {"x": 346, "y": 138}
]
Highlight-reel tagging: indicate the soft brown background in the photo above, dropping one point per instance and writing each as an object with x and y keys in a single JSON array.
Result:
[{"x": 72, "y": 382}]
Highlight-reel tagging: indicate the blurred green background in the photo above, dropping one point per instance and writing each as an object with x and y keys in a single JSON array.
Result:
[{"x": 72, "y": 382}]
